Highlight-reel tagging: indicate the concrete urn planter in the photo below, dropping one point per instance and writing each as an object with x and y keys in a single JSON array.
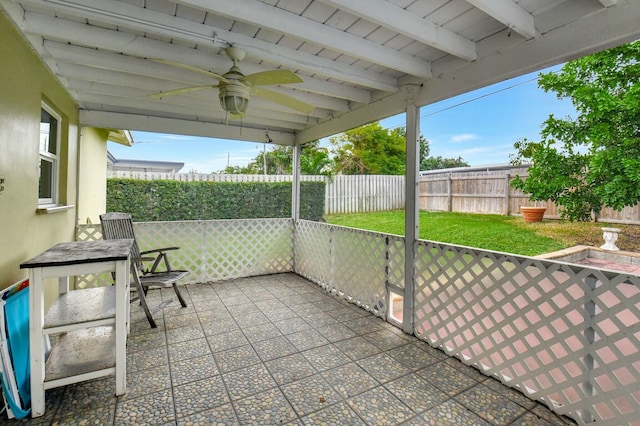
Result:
[{"x": 532, "y": 214}]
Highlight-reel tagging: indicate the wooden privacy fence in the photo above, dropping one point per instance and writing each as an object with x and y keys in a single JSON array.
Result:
[
  {"x": 488, "y": 190},
  {"x": 344, "y": 194},
  {"x": 475, "y": 191}
]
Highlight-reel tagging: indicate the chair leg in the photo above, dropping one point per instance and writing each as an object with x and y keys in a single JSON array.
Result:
[
  {"x": 182, "y": 302},
  {"x": 145, "y": 307},
  {"x": 142, "y": 296}
]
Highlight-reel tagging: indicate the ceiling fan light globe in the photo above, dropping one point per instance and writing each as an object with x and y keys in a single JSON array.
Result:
[
  {"x": 234, "y": 97},
  {"x": 234, "y": 104}
]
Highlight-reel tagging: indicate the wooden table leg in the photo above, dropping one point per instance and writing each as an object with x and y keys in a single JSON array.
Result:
[{"x": 36, "y": 342}]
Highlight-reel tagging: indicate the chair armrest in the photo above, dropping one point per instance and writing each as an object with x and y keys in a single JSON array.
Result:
[
  {"x": 142, "y": 259},
  {"x": 159, "y": 250},
  {"x": 137, "y": 266}
]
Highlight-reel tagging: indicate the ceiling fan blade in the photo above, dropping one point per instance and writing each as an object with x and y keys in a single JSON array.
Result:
[
  {"x": 284, "y": 100},
  {"x": 180, "y": 91},
  {"x": 192, "y": 68},
  {"x": 266, "y": 78}
]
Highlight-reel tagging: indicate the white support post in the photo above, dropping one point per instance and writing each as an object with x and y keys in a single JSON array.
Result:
[
  {"x": 295, "y": 182},
  {"x": 411, "y": 208}
]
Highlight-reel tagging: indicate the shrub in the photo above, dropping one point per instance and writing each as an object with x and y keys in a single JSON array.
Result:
[{"x": 167, "y": 200}]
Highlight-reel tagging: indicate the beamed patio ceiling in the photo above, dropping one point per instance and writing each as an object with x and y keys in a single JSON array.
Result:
[{"x": 360, "y": 60}]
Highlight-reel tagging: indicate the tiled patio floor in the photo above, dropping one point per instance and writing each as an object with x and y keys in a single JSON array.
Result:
[{"x": 277, "y": 350}]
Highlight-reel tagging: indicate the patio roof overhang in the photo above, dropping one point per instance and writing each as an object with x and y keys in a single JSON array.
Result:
[{"x": 360, "y": 61}]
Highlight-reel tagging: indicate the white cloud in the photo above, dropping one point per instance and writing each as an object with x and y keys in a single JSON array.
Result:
[
  {"x": 463, "y": 137},
  {"x": 176, "y": 137}
]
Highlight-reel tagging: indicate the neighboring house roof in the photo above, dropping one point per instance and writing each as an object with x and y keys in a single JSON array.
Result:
[
  {"x": 123, "y": 137},
  {"x": 486, "y": 167},
  {"x": 114, "y": 163}
]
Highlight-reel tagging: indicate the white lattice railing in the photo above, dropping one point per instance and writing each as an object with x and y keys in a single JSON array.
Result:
[
  {"x": 212, "y": 250},
  {"x": 360, "y": 266},
  {"x": 562, "y": 334},
  {"x": 565, "y": 335}
]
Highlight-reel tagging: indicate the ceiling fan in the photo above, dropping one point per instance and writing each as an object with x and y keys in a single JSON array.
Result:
[{"x": 235, "y": 88}]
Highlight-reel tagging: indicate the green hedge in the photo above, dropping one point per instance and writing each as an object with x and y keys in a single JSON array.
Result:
[{"x": 166, "y": 200}]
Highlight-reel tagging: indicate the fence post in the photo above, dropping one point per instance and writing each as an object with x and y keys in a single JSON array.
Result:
[
  {"x": 449, "y": 200},
  {"x": 507, "y": 201}
]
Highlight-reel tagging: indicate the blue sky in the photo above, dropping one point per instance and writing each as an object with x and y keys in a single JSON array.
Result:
[{"x": 480, "y": 126}]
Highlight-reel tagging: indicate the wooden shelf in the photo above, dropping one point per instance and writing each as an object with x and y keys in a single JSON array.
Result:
[
  {"x": 80, "y": 309},
  {"x": 80, "y": 355}
]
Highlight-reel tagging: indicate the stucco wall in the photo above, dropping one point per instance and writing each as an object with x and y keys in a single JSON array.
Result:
[
  {"x": 24, "y": 84},
  {"x": 92, "y": 175}
]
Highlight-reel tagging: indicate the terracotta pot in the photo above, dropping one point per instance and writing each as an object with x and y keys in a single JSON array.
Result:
[{"x": 532, "y": 214}]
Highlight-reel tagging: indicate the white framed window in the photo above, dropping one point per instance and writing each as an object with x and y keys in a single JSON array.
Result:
[{"x": 49, "y": 151}]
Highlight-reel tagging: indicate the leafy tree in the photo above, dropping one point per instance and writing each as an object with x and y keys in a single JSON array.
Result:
[
  {"x": 315, "y": 160},
  {"x": 279, "y": 160},
  {"x": 439, "y": 163},
  {"x": 369, "y": 150},
  {"x": 234, "y": 170},
  {"x": 593, "y": 160}
]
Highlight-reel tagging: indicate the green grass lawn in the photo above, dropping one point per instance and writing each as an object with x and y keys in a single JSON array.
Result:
[{"x": 487, "y": 231}]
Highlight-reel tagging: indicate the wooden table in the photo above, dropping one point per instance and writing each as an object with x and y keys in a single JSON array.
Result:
[{"x": 92, "y": 323}]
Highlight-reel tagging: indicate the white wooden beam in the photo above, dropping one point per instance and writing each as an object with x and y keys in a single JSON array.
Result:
[
  {"x": 510, "y": 14},
  {"x": 144, "y": 20},
  {"x": 127, "y": 67},
  {"x": 134, "y": 66},
  {"x": 161, "y": 109},
  {"x": 65, "y": 52},
  {"x": 388, "y": 15},
  {"x": 101, "y": 77},
  {"x": 281, "y": 21},
  {"x": 377, "y": 110},
  {"x": 232, "y": 130},
  {"x": 121, "y": 42}
]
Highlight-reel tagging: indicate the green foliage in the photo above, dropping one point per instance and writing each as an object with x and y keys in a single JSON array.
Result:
[
  {"x": 278, "y": 160},
  {"x": 439, "y": 163},
  {"x": 594, "y": 160},
  {"x": 165, "y": 200},
  {"x": 315, "y": 160},
  {"x": 369, "y": 150}
]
